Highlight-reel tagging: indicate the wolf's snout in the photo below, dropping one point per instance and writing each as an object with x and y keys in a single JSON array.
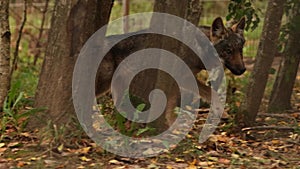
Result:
[
  {"x": 240, "y": 71},
  {"x": 237, "y": 70}
]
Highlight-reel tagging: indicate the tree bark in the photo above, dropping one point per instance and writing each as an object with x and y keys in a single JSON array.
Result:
[
  {"x": 283, "y": 87},
  {"x": 264, "y": 58},
  {"x": 191, "y": 11},
  {"x": 4, "y": 51},
  {"x": 73, "y": 22}
]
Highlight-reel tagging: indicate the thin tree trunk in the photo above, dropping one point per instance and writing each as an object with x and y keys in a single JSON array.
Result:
[
  {"x": 283, "y": 87},
  {"x": 265, "y": 55},
  {"x": 126, "y": 8},
  {"x": 73, "y": 22},
  {"x": 4, "y": 51}
]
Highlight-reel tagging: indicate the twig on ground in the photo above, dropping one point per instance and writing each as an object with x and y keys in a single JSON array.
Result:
[
  {"x": 260, "y": 128},
  {"x": 275, "y": 115}
]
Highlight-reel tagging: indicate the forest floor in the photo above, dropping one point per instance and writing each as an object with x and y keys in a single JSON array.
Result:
[{"x": 275, "y": 144}]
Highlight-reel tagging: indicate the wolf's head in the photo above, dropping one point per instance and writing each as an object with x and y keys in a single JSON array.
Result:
[{"x": 229, "y": 43}]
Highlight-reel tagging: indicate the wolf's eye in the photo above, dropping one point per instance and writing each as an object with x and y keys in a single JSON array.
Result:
[{"x": 229, "y": 51}]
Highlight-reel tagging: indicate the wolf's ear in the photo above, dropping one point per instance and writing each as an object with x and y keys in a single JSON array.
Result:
[
  {"x": 240, "y": 26},
  {"x": 217, "y": 28}
]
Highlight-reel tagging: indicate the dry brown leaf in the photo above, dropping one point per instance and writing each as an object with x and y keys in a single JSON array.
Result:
[
  {"x": 224, "y": 161},
  {"x": 84, "y": 150},
  {"x": 21, "y": 164},
  {"x": 14, "y": 144}
]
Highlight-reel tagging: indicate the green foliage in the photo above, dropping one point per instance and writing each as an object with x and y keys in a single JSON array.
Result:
[
  {"x": 240, "y": 8},
  {"x": 236, "y": 90},
  {"x": 134, "y": 128},
  {"x": 118, "y": 119},
  {"x": 15, "y": 115}
]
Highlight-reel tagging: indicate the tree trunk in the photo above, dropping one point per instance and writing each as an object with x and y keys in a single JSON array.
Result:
[
  {"x": 4, "y": 51},
  {"x": 283, "y": 87},
  {"x": 190, "y": 10},
  {"x": 264, "y": 58},
  {"x": 148, "y": 80},
  {"x": 73, "y": 22}
]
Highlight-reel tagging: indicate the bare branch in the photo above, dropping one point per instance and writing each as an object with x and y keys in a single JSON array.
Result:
[{"x": 38, "y": 44}]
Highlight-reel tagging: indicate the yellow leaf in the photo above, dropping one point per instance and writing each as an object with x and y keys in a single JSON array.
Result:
[
  {"x": 34, "y": 159},
  {"x": 169, "y": 167},
  {"x": 116, "y": 162},
  {"x": 235, "y": 156},
  {"x": 92, "y": 165},
  {"x": 84, "y": 150},
  {"x": 191, "y": 167},
  {"x": 2, "y": 145},
  {"x": 83, "y": 158},
  {"x": 193, "y": 162},
  {"x": 60, "y": 148},
  {"x": 179, "y": 160},
  {"x": 80, "y": 167}
]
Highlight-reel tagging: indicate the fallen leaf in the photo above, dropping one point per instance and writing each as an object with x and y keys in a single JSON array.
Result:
[
  {"x": 213, "y": 158},
  {"x": 26, "y": 134},
  {"x": 152, "y": 166},
  {"x": 224, "y": 161},
  {"x": 115, "y": 162},
  {"x": 14, "y": 145},
  {"x": 21, "y": 164},
  {"x": 3, "y": 160},
  {"x": 276, "y": 141},
  {"x": 60, "y": 148},
  {"x": 34, "y": 159},
  {"x": 49, "y": 162},
  {"x": 84, "y": 150},
  {"x": 2, "y": 150},
  {"x": 222, "y": 138},
  {"x": 84, "y": 158},
  {"x": 179, "y": 160},
  {"x": 235, "y": 156}
]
